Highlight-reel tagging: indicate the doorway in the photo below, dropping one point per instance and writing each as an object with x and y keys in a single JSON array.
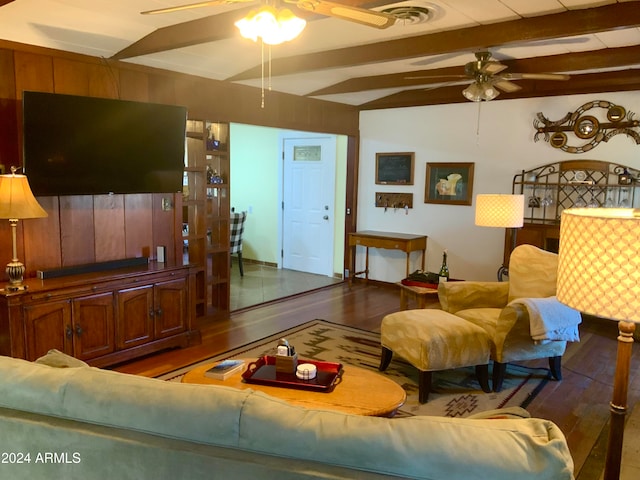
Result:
[
  {"x": 308, "y": 194},
  {"x": 257, "y": 187}
]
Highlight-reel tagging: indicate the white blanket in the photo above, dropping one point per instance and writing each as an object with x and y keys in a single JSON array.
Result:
[{"x": 551, "y": 320}]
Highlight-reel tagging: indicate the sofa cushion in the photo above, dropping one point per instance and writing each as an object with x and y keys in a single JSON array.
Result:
[
  {"x": 55, "y": 358},
  {"x": 202, "y": 413},
  {"x": 438, "y": 448}
]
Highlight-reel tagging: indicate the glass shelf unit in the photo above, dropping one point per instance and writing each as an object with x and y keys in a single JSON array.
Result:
[{"x": 206, "y": 211}]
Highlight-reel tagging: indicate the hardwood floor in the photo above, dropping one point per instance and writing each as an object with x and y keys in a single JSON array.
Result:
[{"x": 579, "y": 404}]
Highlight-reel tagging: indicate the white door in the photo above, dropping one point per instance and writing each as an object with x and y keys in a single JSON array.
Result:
[{"x": 308, "y": 204}]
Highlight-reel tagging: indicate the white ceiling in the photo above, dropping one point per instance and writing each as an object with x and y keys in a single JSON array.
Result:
[{"x": 104, "y": 27}]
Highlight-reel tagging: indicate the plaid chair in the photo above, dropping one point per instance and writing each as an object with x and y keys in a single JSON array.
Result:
[{"x": 237, "y": 227}]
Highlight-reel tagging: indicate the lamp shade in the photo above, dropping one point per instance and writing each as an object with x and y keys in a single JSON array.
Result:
[
  {"x": 599, "y": 262},
  {"x": 499, "y": 210},
  {"x": 16, "y": 199}
]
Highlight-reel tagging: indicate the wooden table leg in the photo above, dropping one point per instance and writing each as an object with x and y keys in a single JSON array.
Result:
[
  {"x": 408, "y": 254},
  {"x": 421, "y": 300},
  {"x": 352, "y": 264},
  {"x": 403, "y": 299},
  {"x": 366, "y": 265}
]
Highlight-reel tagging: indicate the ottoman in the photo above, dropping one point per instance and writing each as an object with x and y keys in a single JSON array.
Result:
[{"x": 433, "y": 340}]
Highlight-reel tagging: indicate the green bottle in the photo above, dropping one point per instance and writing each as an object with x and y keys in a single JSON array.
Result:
[{"x": 444, "y": 270}]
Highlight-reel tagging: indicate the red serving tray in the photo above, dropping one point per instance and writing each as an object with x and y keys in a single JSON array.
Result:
[{"x": 263, "y": 371}]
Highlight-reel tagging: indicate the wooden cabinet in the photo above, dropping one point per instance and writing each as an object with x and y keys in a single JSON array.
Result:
[
  {"x": 151, "y": 312},
  {"x": 169, "y": 308},
  {"x": 82, "y": 327},
  {"x": 101, "y": 318},
  {"x": 206, "y": 211},
  {"x": 135, "y": 316},
  {"x": 550, "y": 189},
  {"x": 92, "y": 326},
  {"x": 46, "y": 326}
]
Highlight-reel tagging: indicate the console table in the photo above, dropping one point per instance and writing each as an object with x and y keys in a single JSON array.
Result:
[{"x": 406, "y": 242}]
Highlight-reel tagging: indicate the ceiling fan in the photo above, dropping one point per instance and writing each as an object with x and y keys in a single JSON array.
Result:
[
  {"x": 485, "y": 78},
  {"x": 363, "y": 16}
]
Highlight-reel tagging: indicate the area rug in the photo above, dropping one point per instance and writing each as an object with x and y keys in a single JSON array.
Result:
[{"x": 455, "y": 393}]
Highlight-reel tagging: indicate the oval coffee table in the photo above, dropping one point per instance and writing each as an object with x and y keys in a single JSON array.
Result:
[{"x": 360, "y": 392}]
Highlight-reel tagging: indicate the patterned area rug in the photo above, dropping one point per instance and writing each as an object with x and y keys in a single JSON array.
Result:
[{"x": 455, "y": 393}]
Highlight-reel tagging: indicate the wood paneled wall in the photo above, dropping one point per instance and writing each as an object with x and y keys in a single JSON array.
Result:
[{"x": 86, "y": 229}]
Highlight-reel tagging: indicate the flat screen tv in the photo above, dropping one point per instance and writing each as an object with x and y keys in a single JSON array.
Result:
[{"x": 76, "y": 145}]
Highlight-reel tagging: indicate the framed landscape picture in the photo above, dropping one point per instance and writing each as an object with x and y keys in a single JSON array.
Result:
[
  {"x": 449, "y": 183},
  {"x": 394, "y": 168}
]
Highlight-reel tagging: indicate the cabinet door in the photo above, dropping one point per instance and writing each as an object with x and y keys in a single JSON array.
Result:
[
  {"x": 47, "y": 326},
  {"x": 170, "y": 307},
  {"x": 135, "y": 316},
  {"x": 93, "y": 326}
]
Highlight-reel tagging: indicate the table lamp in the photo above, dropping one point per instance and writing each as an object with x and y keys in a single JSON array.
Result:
[
  {"x": 500, "y": 210},
  {"x": 17, "y": 203},
  {"x": 599, "y": 274}
]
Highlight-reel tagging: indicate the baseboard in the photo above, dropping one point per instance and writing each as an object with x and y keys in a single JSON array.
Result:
[{"x": 259, "y": 262}]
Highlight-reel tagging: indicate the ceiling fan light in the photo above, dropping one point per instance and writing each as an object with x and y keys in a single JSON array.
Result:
[
  {"x": 273, "y": 26},
  {"x": 473, "y": 92},
  {"x": 489, "y": 92},
  {"x": 290, "y": 25}
]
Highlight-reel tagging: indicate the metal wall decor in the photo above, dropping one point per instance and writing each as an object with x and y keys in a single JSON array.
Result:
[{"x": 587, "y": 127}]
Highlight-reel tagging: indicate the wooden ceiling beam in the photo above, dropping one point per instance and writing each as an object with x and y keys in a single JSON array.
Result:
[
  {"x": 566, "y": 62},
  {"x": 626, "y": 80},
  {"x": 545, "y": 27},
  {"x": 210, "y": 29},
  {"x": 186, "y": 34}
]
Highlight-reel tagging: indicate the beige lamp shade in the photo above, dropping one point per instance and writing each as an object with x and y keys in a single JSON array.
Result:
[
  {"x": 499, "y": 210},
  {"x": 599, "y": 262},
  {"x": 16, "y": 199}
]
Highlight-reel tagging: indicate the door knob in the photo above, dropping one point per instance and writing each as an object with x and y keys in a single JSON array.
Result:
[{"x": 326, "y": 217}]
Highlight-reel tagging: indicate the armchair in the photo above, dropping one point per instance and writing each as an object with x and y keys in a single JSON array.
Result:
[{"x": 491, "y": 305}]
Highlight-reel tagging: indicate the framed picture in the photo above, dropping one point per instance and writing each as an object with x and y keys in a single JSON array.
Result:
[
  {"x": 449, "y": 183},
  {"x": 394, "y": 168}
]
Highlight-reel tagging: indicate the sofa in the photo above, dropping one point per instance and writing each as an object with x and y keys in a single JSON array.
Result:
[{"x": 60, "y": 418}]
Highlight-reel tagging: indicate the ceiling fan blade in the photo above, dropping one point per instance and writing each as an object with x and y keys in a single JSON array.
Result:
[
  {"x": 353, "y": 14},
  {"x": 491, "y": 68},
  {"x": 430, "y": 77},
  {"x": 191, "y": 5},
  {"x": 535, "y": 76},
  {"x": 448, "y": 84},
  {"x": 506, "y": 86}
]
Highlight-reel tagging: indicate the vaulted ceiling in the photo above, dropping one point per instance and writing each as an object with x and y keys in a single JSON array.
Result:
[{"x": 418, "y": 61}]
